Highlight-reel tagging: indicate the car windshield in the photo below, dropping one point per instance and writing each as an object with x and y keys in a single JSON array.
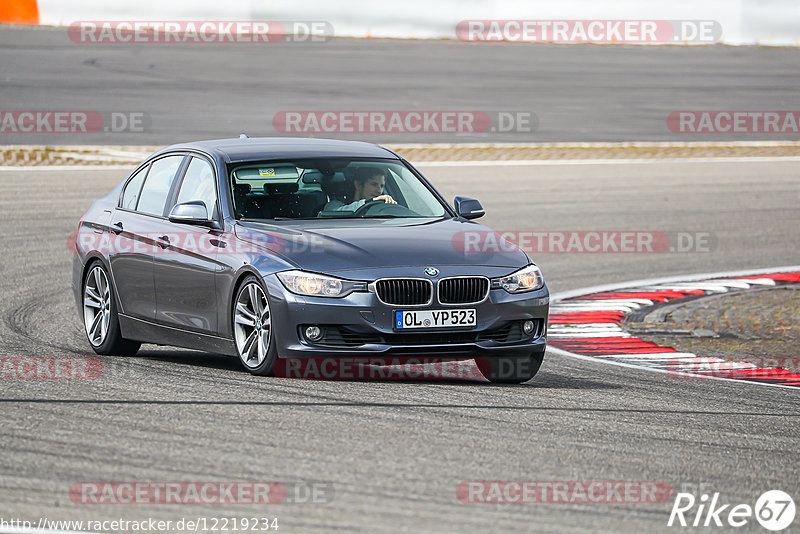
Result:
[{"x": 340, "y": 188}]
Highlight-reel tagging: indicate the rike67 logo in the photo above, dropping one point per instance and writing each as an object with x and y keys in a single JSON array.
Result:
[{"x": 774, "y": 510}]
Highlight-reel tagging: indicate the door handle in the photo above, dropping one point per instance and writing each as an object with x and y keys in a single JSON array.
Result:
[
  {"x": 163, "y": 241},
  {"x": 116, "y": 227},
  {"x": 217, "y": 243}
]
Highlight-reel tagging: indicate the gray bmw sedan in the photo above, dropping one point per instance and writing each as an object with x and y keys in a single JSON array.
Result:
[{"x": 270, "y": 249}]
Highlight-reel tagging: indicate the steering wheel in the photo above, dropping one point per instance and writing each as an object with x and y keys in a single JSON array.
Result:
[
  {"x": 379, "y": 207},
  {"x": 360, "y": 212}
]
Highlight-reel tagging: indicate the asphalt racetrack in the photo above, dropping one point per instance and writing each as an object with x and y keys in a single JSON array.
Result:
[
  {"x": 394, "y": 453},
  {"x": 208, "y": 91}
]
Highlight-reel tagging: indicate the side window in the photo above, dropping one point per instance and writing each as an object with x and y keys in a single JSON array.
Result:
[
  {"x": 156, "y": 187},
  {"x": 131, "y": 194},
  {"x": 198, "y": 184}
]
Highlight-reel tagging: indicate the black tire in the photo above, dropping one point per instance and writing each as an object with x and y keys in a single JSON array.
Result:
[
  {"x": 511, "y": 369},
  {"x": 261, "y": 357},
  {"x": 111, "y": 343}
]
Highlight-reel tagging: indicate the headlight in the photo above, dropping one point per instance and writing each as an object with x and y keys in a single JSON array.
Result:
[
  {"x": 526, "y": 279},
  {"x": 318, "y": 285}
]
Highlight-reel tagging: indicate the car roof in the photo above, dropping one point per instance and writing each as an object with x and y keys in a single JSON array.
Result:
[{"x": 255, "y": 148}]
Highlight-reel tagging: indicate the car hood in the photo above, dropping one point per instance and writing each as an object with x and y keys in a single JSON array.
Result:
[{"x": 332, "y": 245}]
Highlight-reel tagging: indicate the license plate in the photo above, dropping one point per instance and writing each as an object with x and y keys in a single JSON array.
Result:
[{"x": 433, "y": 318}]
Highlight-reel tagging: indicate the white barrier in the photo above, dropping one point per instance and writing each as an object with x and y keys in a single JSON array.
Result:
[{"x": 764, "y": 22}]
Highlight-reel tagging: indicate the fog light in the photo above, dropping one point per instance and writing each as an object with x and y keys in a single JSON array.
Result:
[
  {"x": 313, "y": 333},
  {"x": 528, "y": 327}
]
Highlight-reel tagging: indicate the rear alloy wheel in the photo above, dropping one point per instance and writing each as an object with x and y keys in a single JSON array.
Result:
[
  {"x": 252, "y": 328},
  {"x": 100, "y": 318}
]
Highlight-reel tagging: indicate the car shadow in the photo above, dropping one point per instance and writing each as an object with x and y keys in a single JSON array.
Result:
[
  {"x": 545, "y": 379},
  {"x": 192, "y": 358}
]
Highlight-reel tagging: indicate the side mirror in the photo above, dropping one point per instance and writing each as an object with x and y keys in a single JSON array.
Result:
[
  {"x": 469, "y": 208},
  {"x": 194, "y": 212}
]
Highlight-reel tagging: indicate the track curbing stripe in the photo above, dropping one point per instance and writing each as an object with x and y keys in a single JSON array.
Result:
[{"x": 576, "y": 332}]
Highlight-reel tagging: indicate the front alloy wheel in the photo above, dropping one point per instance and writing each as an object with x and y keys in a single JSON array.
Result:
[{"x": 252, "y": 328}]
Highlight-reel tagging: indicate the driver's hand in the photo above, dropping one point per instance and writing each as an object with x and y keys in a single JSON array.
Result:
[{"x": 386, "y": 198}]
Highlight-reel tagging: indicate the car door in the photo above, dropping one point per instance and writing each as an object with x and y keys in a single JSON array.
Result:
[
  {"x": 133, "y": 225},
  {"x": 185, "y": 263}
]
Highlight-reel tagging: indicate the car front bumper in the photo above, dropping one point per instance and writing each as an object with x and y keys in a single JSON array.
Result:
[{"x": 364, "y": 314}]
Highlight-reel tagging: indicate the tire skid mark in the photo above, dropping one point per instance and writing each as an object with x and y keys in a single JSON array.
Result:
[{"x": 20, "y": 321}]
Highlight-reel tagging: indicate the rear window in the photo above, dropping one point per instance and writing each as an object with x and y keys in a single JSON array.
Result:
[
  {"x": 260, "y": 175},
  {"x": 131, "y": 195}
]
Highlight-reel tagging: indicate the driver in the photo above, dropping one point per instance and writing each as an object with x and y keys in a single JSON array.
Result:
[{"x": 368, "y": 184}]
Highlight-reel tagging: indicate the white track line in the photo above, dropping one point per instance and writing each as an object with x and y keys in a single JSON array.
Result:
[
  {"x": 668, "y": 280},
  {"x": 70, "y": 167},
  {"x": 621, "y": 161},
  {"x": 554, "y": 144},
  {"x": 662, "y": 371},
  {"x": 498, "y": 163}
]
